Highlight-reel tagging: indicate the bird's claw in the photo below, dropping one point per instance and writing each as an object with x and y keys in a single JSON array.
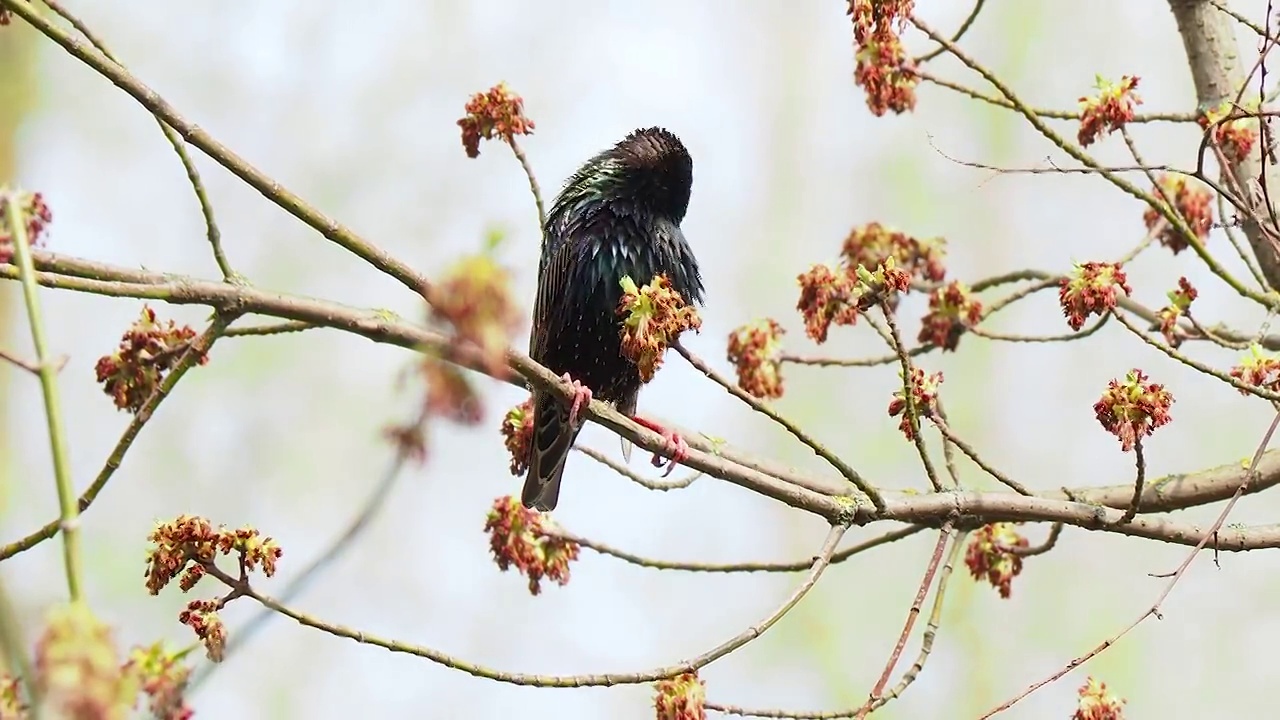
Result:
[
  {"x": 581, "y": 398},
  {"x": 677, "y": 448}
]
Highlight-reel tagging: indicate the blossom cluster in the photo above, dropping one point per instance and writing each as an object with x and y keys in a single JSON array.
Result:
[
  {"x": 520, "y": 537},
  {"x": 653, "y": 316},
  {"x": 495, "y": 113}
]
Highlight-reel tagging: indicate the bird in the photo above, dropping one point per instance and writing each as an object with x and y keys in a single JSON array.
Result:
[{"x": 618, "y": 215}]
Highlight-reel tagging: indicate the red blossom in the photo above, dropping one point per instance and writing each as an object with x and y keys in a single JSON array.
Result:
[
  {"x": 887, "y": 74},
  {"x": 682, "y": 697},
  {"x": 871, "y": 245},
  {"x": 922, "y": 402},
  {"x": 450, "y": 394},
  {"x": 756, "y": 350},
  {"x": 184, "y": 544},
  {"x": 1179, "y": 306},
  {"x": 837, "y": 296},
  {"x": 148, "y": 351},
  {"x": 164, "y": 680},
  {"x": 991, "y": 555},
  {"x": 5, "y": 16},
  {"x": 31, "y": 208},
  {"x": 878, "y": 18},
  {"x": 1132, "y": 408},
  {"x": 1096, "y": 703},
  {"x": 202, "y": 617},
  {"x": 497, "y": 113},
  {"x": 519, "y": 537},
  {"x": 1235, "y": 137},
  {"x": 475, "y": 297},
  {"x": 952, "y": 310},
  {"x": 826, "y": 298},
  {"x": 1258, "y": 369},
  {"x": 1109, "y": 110},
  {"x": 1192, "y": 200},
  {"x": 1091, "y": 290},
  {"x": 517, "y": 435},
  {"x": 653, "y": 317}
]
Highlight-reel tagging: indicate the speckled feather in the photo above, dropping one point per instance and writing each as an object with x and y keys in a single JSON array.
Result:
[{"x": 619, "y": 214}]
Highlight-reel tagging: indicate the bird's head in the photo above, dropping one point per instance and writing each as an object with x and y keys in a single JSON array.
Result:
[{"x": 650, "y": 168}]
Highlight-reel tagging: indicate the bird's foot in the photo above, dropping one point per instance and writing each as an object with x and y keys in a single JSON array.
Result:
[
  {"x": 677, "y": 448},
  {"x": 581, "y": 398}
]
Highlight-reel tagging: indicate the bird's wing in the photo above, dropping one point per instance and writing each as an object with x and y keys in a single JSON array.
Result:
[{"x": 553, "y": 281}]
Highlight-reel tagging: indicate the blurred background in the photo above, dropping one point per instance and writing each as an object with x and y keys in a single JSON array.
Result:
[{"x": 354, "y": 108}]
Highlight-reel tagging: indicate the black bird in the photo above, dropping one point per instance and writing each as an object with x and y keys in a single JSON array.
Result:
[{"x": 618, "y": 215}]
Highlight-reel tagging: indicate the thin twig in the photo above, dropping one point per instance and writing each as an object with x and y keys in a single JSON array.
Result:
[
  {"x": 69, "y": 520},
  {"x": 912, "y": 412},
  {"x": 533, "y": 181},
  {"x": 635, "y": 477},
  {"x": 743, "y": 567},
  {"x": 1141, "y": 463},
  {"x": 819, "y": 564},
  {"x": 759, "y": 406},
  {"x": 959, "y": 34},
  {"x": 277, "y": 328},
  {"x": 973, "y": 455},
  {"x": 948, "y": 449},
  {"x": 1049, "y": 543}
]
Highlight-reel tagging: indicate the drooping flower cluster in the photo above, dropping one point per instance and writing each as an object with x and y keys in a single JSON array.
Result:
[
  {"x": 5, "y": 16},
  {"x": 1109, "y": 109},
  {"x": 475, "y": 298},
  {"x": 952, "y": 310},
  {"x": 517, "y": 435},
  {"x": 203, "y": 619},
  {"x": 1132, "y": 408},
  {"x": 826, "y": 298},
  {"x": 755, "y": 351},
  {"x": 518, "y": 537},
  {"x": 77, "y": 667},
  {"x": 1235, "y": 137},
  {"x": 1096, "y": 703},
  {"x": 184, "y": 544},
  {"x": 148, "y": 351},
  {"x": 450, "y": 394},
  {"x": 682, "y": 697},
  {"x": 32, "y": 210},
  {"x": 1192, "y": 200},
  {"x": 872, "y": 245},
  {"x": 1179, "y": 306},
  {"x": 888, "y": 76},
  {"x": 877, "y": 19},
  {"x": 1091, "y": 290},
  {"x": 164, "y": 680},
  {"x": 920, "y": 402},
  {"x": 496, "y": 113},
  {"x": 884, "y": 70},
  {"x": 1258, "y": 368},
  {"x": 992, "y": 555},
  {"x": 653, "y": 317}
]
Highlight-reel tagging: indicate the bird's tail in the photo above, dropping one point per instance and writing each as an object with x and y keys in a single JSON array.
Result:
[
  {"x": 552, "y": 438},
  {"x": 627, "y": 406}
]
